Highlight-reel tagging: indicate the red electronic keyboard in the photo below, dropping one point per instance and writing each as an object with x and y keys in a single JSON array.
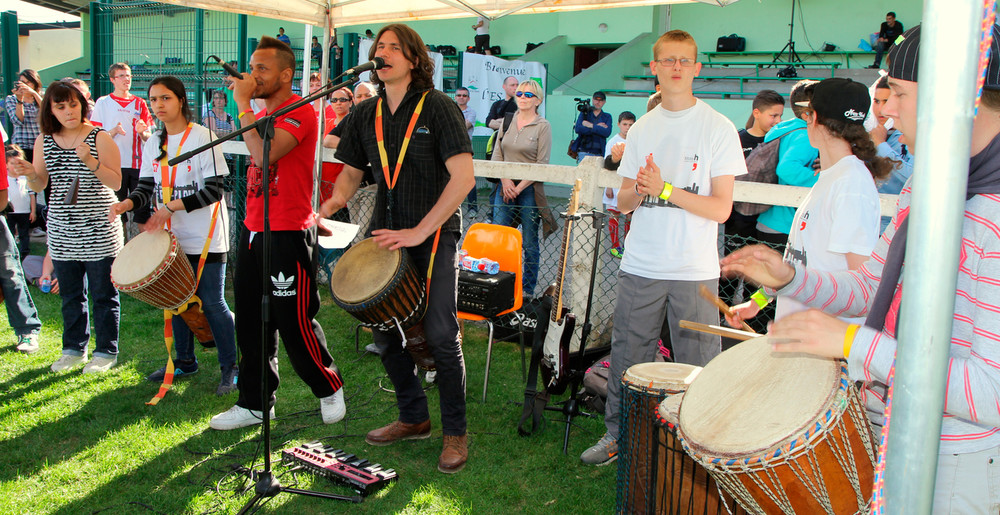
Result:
[{"x": 340, "y": 466}]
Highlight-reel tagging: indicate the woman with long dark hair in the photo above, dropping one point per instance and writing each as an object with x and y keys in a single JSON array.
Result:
[
  {"x": 838, "y": 223},
  {"x": 82, "y": 163},
  {"x": 189, "y": 200}
]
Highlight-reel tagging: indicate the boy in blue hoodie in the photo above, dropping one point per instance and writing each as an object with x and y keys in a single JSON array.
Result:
[{"x": 795, "y": 166}]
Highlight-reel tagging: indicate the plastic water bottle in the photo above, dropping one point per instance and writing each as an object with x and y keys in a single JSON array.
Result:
[
  {"x": 488, "y": 266},
  {"x": 46, "y": 285},
  {"x": 468, "y": 263}
]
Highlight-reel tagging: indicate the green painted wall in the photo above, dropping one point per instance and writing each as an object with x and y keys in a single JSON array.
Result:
[{"x": 765, "y": 22}]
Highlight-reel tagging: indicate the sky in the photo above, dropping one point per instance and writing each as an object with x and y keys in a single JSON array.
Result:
[{"x": 30, "y": 13}]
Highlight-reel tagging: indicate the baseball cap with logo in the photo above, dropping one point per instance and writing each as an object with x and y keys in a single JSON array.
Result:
[
  {"x": 599, "y": 95},
  {"x": 840, "y": 99}
]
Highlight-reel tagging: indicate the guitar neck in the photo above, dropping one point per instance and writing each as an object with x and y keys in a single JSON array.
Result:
[{"x": 574, "y": 200}]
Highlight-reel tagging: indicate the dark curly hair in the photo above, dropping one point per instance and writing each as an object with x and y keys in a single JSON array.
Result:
[
  {"x": 422, "y": 74},
  {"x": 861, "y": 146}
]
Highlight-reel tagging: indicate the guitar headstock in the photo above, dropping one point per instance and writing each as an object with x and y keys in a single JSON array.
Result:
[{"x": 574, "y": 198}]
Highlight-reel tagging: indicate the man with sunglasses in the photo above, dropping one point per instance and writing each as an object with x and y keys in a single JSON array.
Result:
[
  {"x": 462, "y": 99},
  {"x": 677, "y": 173},
  {"x": 593, "y": 127}
]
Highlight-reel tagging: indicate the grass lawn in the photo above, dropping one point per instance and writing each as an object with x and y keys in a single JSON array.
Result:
[{"x": 76, "y": 444}]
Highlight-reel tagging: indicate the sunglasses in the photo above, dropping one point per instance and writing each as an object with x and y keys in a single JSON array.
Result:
[
  {"x": 526, "y": 94},
  {"x": 339, "y": 99}
]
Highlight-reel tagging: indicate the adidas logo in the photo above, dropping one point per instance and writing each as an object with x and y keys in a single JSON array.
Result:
[{"x": 282, "y": 283}]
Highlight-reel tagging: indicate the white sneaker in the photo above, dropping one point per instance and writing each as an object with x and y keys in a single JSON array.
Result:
[
  {"x": 68, "y": 361},
  {"x": 333, "y": 408},
  {"x": 99, "y": 364},
  {"x": 27, "y": 343},
  {"x": 237, "y": 417}
]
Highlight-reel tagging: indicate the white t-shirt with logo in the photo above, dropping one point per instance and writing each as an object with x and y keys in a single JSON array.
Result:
[
  {"x": 690, "y": 147},
  {"x": 613, "y": 201},
  {"x": 839, "y": 215},
  {"x": 18, "y": 194},
  {"x": 191, "y": 229}
]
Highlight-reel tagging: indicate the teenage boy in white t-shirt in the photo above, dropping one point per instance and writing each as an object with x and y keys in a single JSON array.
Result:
[
  {"x": 678, "y": 171},
  {"x": 613, "y": 152},
  {"x": 127, "y": 119}
]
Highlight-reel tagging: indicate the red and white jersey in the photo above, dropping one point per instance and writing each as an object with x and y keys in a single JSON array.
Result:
[{"x": 111, "y": 110}]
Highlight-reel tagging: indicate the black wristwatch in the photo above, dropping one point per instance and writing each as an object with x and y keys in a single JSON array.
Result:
[{"x": 19, "y": 101}]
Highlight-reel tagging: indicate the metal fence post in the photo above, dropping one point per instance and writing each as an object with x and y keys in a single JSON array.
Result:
[{"x": 948, "y": 59}]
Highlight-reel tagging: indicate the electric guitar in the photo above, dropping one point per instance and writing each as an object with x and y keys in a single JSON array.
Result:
[{"x": 555, "y": 350}]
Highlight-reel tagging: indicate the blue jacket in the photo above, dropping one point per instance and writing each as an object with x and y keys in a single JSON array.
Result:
[
  {"x": 593, "y": 140},
  {"x": 795, "y": 160},
  {"x": 894, "y": 149}
]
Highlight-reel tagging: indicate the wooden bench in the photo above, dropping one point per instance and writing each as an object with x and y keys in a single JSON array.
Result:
[{"x": 846, "y": 55}]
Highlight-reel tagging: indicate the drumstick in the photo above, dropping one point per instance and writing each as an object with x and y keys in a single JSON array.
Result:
[
  {"x": 735, "y": 334},
  {"x": 723, "y": 307}
]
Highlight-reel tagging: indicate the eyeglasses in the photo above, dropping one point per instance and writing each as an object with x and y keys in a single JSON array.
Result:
[
  {"x": 339, "y": 99},
  {"x": 526, "y": 94},
  {"x": 670, "y": 61},
  {"x": 461, "y": 95}
]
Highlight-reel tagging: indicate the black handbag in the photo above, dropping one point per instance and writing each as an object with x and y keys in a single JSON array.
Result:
[{"x": 731, "y": 43}]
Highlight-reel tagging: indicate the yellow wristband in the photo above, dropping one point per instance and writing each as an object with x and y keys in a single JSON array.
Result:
[
  {"x": 761, "y": 298},
  {"x": 240, "y": 116},
  {"x": 849, "y": 338},
  {"x": 667, "y": 190}
]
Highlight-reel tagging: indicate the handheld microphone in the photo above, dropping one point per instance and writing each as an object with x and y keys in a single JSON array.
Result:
[
  {"x": 228, "y": 67},
  {"x": 375, "y": 64}
]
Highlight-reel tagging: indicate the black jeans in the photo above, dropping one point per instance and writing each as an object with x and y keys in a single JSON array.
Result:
[
  {"x": 482, "y": 42},
  {"x": 441, "y": 331}
]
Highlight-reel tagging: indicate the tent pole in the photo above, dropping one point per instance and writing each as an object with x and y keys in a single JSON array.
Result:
[{"x": 948, "y": 64}]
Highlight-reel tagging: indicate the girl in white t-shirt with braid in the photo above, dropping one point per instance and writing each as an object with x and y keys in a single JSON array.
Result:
[
  {"x": 198, "y": 185},
  {"x": 838, "y": 223}
]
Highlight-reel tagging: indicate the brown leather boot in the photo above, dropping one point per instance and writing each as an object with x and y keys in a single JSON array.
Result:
[
  {"x": 399, "y": 431},
  {"x": 454, "y": 454}
]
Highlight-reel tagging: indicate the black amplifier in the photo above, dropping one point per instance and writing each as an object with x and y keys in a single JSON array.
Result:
[{"x": 483, "y": 294}]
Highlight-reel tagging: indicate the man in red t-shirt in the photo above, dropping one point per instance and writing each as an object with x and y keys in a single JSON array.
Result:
[{"x": 294, "y": 298}]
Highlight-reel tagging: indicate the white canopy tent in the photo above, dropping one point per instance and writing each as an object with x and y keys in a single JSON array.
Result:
[{"x": 353, "y": 12}]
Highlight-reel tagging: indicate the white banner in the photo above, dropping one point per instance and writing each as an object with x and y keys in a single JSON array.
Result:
[
  {"x": 484, "y": 76},
  {"x": 365, "y": 44}
]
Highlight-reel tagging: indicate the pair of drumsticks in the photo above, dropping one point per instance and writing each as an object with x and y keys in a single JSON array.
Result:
[{"x": 723, "y": 307}]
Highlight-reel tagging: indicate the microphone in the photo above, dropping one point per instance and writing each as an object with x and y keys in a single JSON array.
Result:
[
  {"x": 376, "y": 63},
  {"x": 228, "y": 67}
]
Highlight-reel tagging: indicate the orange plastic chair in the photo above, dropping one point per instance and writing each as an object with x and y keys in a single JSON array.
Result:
[{"x": 503, "y": 245}]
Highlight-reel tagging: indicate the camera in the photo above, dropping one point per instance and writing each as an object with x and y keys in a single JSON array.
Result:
[{"x": 582, "y": 104}]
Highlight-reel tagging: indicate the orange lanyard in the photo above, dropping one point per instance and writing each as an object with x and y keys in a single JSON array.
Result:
[
  {"x": 168, "y": 174},
  {"x": 380, "y": 137}
]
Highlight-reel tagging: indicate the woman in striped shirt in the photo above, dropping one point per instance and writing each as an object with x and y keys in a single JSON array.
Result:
[{"x": 83, "y": 165}]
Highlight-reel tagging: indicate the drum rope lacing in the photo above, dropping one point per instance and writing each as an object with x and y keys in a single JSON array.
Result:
[{"x": 725, "y": 470}]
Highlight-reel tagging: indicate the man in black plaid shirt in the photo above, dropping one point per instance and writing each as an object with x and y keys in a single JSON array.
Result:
[{"x": 412, "y": 202}]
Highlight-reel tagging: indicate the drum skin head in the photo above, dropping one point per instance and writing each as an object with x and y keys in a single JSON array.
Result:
[
  {"x": 140, "y": 257},
  {"x": 670, "y": 408},
  {"x": 669, "y": 377},
  {"x": 749, "y": 399},
  {"x": 364, "y": 271}
]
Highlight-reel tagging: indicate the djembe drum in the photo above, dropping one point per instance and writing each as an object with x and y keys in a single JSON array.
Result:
[{"x": 782, "y": 433}]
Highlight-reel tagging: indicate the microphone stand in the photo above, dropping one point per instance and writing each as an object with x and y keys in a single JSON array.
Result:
[{"x": 267, "y": 485}]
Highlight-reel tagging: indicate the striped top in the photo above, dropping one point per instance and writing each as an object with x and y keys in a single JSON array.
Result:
[
  {"x": 80, "y": 231},
  {"x": 972, "y": 399}
]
